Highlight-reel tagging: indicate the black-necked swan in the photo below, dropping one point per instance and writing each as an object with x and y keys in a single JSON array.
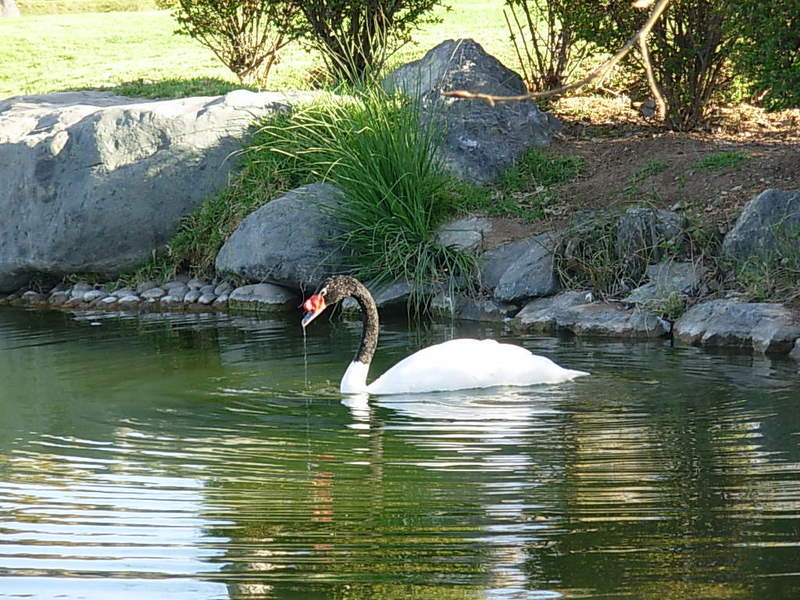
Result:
[{"x": 455, "y": 365}]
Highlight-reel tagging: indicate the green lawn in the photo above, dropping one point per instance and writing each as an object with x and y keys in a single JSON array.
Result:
[{"x": 46, "y": 53}]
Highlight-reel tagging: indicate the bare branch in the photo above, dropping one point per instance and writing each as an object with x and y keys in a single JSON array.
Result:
[{"x": 642, "y": 34}]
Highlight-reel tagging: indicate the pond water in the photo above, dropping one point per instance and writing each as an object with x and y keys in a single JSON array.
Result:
[{"x": 211, "y": 457}]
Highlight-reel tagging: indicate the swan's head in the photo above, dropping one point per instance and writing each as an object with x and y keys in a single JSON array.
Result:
[{"x": 331, "y": 291}]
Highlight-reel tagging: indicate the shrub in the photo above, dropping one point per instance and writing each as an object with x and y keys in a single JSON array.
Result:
[
  {"x": 245, "y": 35},
  {"x": 769, "y": 53},
  {"x": 690, "y": 46},
  {"x": 546, "y": 46},
  {"x": 356, "y": 37}
]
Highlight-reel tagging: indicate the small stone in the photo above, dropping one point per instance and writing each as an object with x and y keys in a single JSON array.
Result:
[
  {"x": 58, "y": 298},
  {"x": 761, "y": 326},
  {"x": 98, "y": 302},
  {"x": 221, "y": 301},
  {"x": 129, "y": 301},
  {"x": 795, "y": 353},
  {"x": 73, "y": 302},
  {"x": 122, "y": 292},
  {"x": 192, "y": 296},
  {"x": 196, "y": 284},
  {"x": 223, "y": 288},
  {"x": 262, "y": 296},
  {"x": 207, "y": 289},
  {"x": 93, "y": 295},
  {"x": 466, "y": 233},
  {"x": 540, "y": 314},
  {"x": 146, "y": 285},
  {"x": 206, "y": 299},
  {"x": 153, "y": 293},
  {"x": 171, "y": 302},
  {"x": 108, "y": 301},
  {"x": 177, "y": 289},
  {"x": 32, "y": 297},
  {"x": 82, "y": 286}
]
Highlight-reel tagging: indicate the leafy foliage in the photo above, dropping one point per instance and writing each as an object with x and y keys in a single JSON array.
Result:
[
  {"x": 690, "y": 48},
  {"x": 769, "y": 52},
  {"x": 356, "y": 37},
  {"x": 245, "y": 35},
  {"x": 547, "y": 49}
]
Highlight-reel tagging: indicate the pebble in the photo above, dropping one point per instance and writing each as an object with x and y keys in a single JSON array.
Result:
[
  {"x": 192, "y": 296},
  {"x": 179, "y": 289},
  {"x": 122, "y": 292},
  {"x": 146, "y": 285},
  {"x": 129, "y": 301},
  {"x": 73, "y": 301},
  {"x": 206, "y": 299},
  {"x": 93, "y": 295},
  {"x": 32, "y": 297},
  {"x": 223, "y": 288},
  {"x": 172, "y": 302},
  {"x": 153, "y": 293},
  {"x": 196, "y": 284},
  {"x": 58, "y": 297},
  {"x": 221, "y": 301}
]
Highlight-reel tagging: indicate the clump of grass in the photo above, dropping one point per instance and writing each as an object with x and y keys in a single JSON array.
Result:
[
  {"x": 376, "y": 148},
  {"x": 648, "y": 169},
  {"x": 586, "y": 256},
  {"x": 525, "y": 190},
  {"x": 773, "y": 275},
  {"x": 669, "y": 307},
  {"x": 721, "y": 160},
  {"x": 541, "y": 168}
]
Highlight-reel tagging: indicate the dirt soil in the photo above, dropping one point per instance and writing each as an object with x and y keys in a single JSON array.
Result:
[{"x": 630, "y": 161}]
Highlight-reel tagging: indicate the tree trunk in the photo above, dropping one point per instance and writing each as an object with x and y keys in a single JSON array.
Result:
[{"x": 8, "y": 8}]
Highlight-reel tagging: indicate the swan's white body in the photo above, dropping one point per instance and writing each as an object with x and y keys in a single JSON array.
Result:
[
  {"x": 457, "y": 365},
  {"x": 454, "y": 365}
]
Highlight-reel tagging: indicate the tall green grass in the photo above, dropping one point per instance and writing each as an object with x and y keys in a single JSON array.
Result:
[{"x": 377, "y": 148}]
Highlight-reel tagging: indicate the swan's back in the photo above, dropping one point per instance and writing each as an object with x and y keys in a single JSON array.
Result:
[{"x": 467, "y": 363}]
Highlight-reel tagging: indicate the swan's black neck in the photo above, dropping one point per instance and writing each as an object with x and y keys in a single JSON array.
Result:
[{"x": 369, "y": 317}]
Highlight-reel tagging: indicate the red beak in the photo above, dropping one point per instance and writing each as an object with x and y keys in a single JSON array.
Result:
[{"x": 313, "y": 306}]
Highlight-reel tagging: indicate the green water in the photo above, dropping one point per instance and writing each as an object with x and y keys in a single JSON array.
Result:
[{"x": 200, "y": 457}]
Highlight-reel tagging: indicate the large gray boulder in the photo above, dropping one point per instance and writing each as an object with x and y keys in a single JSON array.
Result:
[
  {"x": 521, "y": 269},
  {"x": 602, "y": 319},
  {"x": 481, "y": 141},
  {"x": 291, "y": 240},
  {"x": 647, "y": 234},
  {"x": 769, "y": 223},
  {"x": 93, "y": 182},
  {"x": 540, "y": 313},
  {"x": 761, "y": 326}
]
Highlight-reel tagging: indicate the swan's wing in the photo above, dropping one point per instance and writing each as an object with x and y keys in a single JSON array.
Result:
[{"x": 466, "y": 363}]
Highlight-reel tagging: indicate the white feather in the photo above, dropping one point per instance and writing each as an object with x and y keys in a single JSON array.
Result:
[{"x": 457, "y": 365}]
